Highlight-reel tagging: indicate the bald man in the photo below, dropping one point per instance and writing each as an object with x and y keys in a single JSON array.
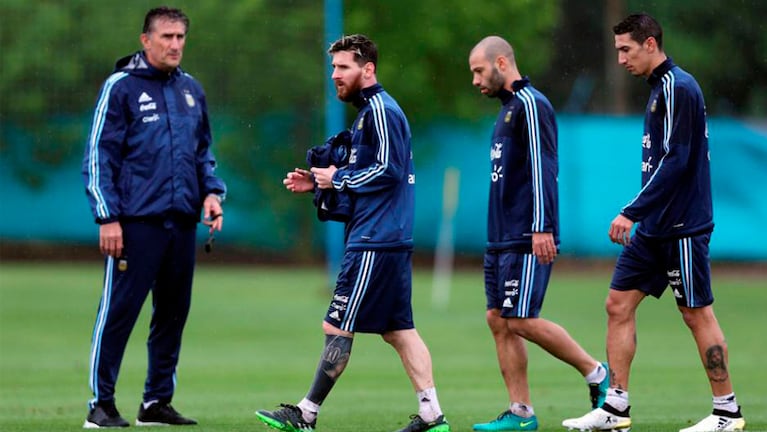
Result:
[{"x": 523, "y": 234}]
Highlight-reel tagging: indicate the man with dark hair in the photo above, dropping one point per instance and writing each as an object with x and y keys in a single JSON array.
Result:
[
  {"x": 149, "y": 173},
  {"x": 523, "y": 234},
  {"x": 674, "y": 220},
  {"x": 373, "y": 289}
]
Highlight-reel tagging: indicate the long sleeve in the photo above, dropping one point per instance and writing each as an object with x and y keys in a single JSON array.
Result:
[
  {"x": 389, "y": 161},
  {"x": 102, "y": 160},
  {"x": 665, "y": 173}
]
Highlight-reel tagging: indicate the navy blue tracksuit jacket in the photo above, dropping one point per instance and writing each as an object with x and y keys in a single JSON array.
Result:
[
  {"x": 523, "y": 180},
  {"x": 379, "y": 177},
  {"x": 675, "y": 199}
]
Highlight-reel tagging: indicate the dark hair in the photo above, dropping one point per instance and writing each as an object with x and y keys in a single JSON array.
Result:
[
  {"x": 167, "y": 13},
  {"x": 364, "y": 49},
  {"x": 641, "y": 26}
]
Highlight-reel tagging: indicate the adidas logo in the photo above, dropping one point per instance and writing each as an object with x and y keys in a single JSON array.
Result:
[
  {"x": 722, "y": 423},
  {"x": 507, "y": 303},
  {"x": 144, "y": 98},
  {"x": 677, "y": 294},
  {"x": 334, "y": 315}
]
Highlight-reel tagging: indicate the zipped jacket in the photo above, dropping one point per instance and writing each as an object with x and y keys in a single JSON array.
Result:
[{"x": 148, "y": 151}]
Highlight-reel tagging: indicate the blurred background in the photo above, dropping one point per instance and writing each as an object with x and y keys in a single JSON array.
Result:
[{"x": 264, "y": 67}]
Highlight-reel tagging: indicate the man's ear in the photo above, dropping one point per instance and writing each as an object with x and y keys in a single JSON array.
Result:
[{"x": 651, "y": 44}]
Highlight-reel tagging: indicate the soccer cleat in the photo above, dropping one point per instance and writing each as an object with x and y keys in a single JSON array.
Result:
[
  {"x": 508, "y": 421},
  {"x": 417, "y": 424},
  {"x": 598, "y": 391},
  {"x": 604, "y": 419},
  {"x": 104, "y": 415},
  {"x": 719, "y": 421},
  {"x": 161, "y": 414},
  {"x": 289, "y": 418}
]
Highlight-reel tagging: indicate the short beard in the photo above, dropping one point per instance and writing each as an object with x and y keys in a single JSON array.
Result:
[
  {"x": 495, "y": 83},
  {"x": 352, "y": 90}
]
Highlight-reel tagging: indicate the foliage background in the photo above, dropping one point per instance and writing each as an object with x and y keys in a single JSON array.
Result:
[{"x": 263, "y": 63}]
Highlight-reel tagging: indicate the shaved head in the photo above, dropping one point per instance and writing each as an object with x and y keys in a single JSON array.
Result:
[{"x": 494, "y": 46}]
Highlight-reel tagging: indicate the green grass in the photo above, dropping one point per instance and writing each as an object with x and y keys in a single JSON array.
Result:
[{"x": 254, "y": 337}]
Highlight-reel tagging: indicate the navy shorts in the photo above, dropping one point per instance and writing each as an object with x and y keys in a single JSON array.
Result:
[
  {"x": 515, "y": 283},
  {"x": 650, "y": 265},
  {"x": 373, "y": 292}
]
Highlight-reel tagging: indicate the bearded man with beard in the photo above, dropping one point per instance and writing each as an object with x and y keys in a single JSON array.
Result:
[
  {"x": 523, "y": 234},
  {"x": 373, "y": 289}
]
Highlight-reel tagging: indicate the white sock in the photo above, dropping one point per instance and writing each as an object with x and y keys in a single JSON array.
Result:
[
  {"x": 726, "y": 403},
  {"x": 309, "y": 410},
  {"x": 521, "y": 410},
  {"x": 428, "y": 404},
  {"x": 597, "y": 375},
  {"x": 617, "y": 399},
  {"x": 150, "y": 403}
]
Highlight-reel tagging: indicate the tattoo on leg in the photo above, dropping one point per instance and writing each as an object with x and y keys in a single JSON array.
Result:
[
  {"x": 612, "y": 380},
  {"x": 334, "y": 358},
  {"x": 715, "y": 364},
  {"x": 336, "y": 355}
]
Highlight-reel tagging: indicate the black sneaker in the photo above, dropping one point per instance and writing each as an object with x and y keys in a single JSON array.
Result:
[
  {"x": 417, "y": 424},
  {"x": 161, "y": 414},
  {"x": 289, "y": 418},
  {"x": 104, "y": 415}
]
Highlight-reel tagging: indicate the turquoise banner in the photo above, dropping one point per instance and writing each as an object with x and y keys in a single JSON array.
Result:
[{"x": 599, "y": 173}]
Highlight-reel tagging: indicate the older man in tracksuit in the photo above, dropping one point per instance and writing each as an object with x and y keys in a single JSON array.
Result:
[{"x": 149, "y": 173}]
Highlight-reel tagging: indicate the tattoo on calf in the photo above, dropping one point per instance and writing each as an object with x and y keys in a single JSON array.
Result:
[
  {"x": 716, "y": 366},
  {"x": 336, "y": 355}
]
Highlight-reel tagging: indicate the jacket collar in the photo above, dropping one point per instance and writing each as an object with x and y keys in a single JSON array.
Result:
[
  {"x": 365, "y": 94},
  {"x": 137, "y": 64},
  {"x": 660, "y": 70},
  {"x": 505, "y": 95}
]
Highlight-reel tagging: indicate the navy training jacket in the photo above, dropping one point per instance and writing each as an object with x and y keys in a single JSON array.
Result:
[
  {"x": 380, "y": 176},
  {"x": 675, "y": 199},
  {"x": 523, "y": 181},
  {"x": 148, "y": 152}
]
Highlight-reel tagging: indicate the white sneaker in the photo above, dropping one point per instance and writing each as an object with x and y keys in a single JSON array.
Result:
[
  {"x": 599, "y": 420},
  {"x": 717, "y": 423}
]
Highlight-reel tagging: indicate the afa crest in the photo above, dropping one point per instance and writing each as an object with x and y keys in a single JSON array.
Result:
[
  {"x": 359, "y": 125},
  {"x": 189, "y": 99},
  {"x": 654, "y": 105},
  {"x": 508, "y": 117}
]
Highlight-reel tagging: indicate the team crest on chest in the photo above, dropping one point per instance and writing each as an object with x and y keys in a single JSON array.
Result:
[
  {"x": 508, "y": 117},
  {"x": 359, "y": 125},
  {"x": 654, "y": 105},
  {"x": 189, "y": 99}
]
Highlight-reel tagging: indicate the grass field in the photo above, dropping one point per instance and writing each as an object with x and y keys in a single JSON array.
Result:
[{"x": 254, "y": 337}]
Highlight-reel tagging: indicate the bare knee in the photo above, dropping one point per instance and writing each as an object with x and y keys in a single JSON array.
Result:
[
  {"x": 696, "y": 318},
  {"x": 496, "y": 323},
  {"x": 618, "y": 308}
]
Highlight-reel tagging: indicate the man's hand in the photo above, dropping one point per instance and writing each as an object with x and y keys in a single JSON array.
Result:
[
  {"x": 111, "y": 239},
  {"x": 213, "y": 214},
  {"x": 324, "y": 176},
  {"x": 620, "y": 230},
  {"x": 544, "y": 248},
  {"x": 299, "y": 180}
]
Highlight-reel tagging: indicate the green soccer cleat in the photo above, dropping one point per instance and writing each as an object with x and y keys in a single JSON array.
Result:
[
  {"x": 598, "y": 391},
  {"x": 288, "y": 418},
  {"x": 508, "y": 421},
  {"x": 417, "y": 424}
]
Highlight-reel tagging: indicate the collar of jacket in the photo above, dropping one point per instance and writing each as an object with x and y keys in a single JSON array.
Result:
[
  {"x": 659, "y": 71},
  {"x": 505, "y": 95},
  {"x": 137, "y": 64},
  {"x": 365, "y": 94}
]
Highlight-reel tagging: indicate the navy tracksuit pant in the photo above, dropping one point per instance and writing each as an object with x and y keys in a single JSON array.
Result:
[{"x": 157, "y": 257}]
